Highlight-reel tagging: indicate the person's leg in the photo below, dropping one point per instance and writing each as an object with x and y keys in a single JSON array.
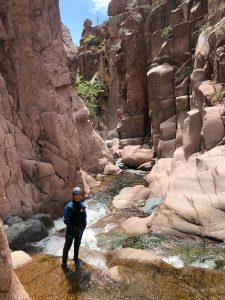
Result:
[
  {"x": 66, "y": 249},
  {"x": 77, "y": 241}
]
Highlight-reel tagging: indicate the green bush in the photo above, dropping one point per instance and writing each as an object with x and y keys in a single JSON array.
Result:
[
  {"x": 187, "y": 72},
  {"x": 147, "y": 8},
  {"x": 206, "y": 29},
  {"x": 90, "y": 91},
  {"x": 167, "y": 31},
  {"x": 93, "y": 40},
  {"x": 222, "y": 7},
  {"x": 221, "y": 26}
]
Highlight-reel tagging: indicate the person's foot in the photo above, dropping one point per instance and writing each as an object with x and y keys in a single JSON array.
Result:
[
  {"x": 64, "y": 267},
  {"x": 78, "y": 262}
]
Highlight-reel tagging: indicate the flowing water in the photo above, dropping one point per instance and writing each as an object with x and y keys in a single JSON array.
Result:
[{"x": 102, "y": 234}]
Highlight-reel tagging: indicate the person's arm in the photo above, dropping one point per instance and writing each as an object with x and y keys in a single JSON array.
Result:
[{"x": 68, "y": 216}]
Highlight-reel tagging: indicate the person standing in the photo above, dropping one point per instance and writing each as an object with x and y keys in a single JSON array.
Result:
[{"x": 75, "y": 218}]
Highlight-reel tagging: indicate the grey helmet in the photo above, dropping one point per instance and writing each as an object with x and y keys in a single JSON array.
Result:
[{"x": 78, "y": 191}]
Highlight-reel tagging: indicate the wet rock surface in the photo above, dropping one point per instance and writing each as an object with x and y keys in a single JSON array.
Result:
[{"x": 146, "y": 279}]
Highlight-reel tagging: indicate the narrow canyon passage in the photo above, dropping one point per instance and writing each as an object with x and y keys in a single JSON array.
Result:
[{"x": 133, "y": 118}]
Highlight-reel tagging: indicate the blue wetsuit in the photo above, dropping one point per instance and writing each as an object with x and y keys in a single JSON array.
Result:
[{"x": 75, "y": 218}]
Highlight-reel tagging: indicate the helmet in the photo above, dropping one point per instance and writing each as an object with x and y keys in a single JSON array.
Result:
[{"x": 77, "y": 191}]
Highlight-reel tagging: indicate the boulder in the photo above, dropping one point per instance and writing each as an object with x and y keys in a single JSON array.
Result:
[
  {"x": 87, "y": 182},
  {"x": 134, "y": 156},
  {"x": 11, "y": 220},
  {"x": 135, "y": 226},
  {"x": 26, "y": 232},
  {"x": 112, "y": 170},
  {"x": 46, "y": 219},
  {"x": 194, "y": 193},
  {"x": 131, "y": 197},
  {"x": 192, "y": 133},
  {"x": 213, "y": 127},
  {"x": 168, "y": 129},
  {"x": 19, "y": 259},
  {"x": 166, "y": 149}
]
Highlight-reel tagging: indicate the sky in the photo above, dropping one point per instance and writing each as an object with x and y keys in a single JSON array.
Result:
[{"x": 74, "y": 12}]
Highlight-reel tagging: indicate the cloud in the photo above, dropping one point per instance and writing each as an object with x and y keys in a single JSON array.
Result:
[{"x": 100, "y": 5}]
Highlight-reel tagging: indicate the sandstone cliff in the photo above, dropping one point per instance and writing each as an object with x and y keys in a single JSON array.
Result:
[{"x": 45, "y": 133}]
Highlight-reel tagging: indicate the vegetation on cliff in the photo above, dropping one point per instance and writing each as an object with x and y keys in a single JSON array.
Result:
[{"x": 90, "y": 92}]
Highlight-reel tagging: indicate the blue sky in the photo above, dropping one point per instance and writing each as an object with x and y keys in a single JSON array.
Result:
[{"x": 74, "y": 12}]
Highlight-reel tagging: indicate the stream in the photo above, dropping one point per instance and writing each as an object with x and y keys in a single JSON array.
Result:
[{"x": 102, "y": 234}]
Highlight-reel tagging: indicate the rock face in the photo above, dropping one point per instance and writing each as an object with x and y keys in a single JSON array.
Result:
[
  {"x": 163, "y": 63},
  {"x": 160, "y": 60},
  {"x": 194, "y": 195},
  {"x": 10, "y": 287},
  {"x": 41, "y": 116}
]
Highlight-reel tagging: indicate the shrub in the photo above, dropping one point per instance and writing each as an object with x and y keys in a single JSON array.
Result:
[
  {"x": 206, "y": 29},
  {"x": 221, "y": 26},
  {"x": 93, "y": 40},
  {"x": 90, "y": 91},
  {"x": 222, "y": 7},
  {"x": 167, "y": 31},
  {"x": 147, "y": 8},
  {"x": 187, "y": 72}
]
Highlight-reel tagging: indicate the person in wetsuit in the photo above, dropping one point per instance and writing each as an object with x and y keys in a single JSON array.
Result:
[{"x": 75, "y": 218}]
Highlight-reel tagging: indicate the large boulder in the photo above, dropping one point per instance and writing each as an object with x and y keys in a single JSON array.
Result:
[
  {"x": 135, "y": 226},
  {"x": 46, "y": 219},
  {"x": 194, "y": 194},
  {"x": 131, "y": 197},
  {"x": 112, "y": 170},
  {"x": 192, "y": 133},
  {"x": 135, "y": 156},
  {"x": 26, "y": 232},
  {"x": 213, "y": 127}
]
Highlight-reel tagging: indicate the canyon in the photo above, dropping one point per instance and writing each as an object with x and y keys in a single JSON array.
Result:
[{"x": 162, "y": 67}]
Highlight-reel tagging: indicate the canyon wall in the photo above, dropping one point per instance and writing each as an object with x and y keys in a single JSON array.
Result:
[
  {"x": 45, "y": 133},
  {"x": 146, "y": 60},
  {"x": 163, "y": 64}
]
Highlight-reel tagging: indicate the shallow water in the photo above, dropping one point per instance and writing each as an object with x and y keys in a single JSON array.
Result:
[{"x": 105, "y": 237}]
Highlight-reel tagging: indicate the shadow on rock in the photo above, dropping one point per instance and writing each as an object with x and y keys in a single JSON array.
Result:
[{"x": 78, "y": 279}]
